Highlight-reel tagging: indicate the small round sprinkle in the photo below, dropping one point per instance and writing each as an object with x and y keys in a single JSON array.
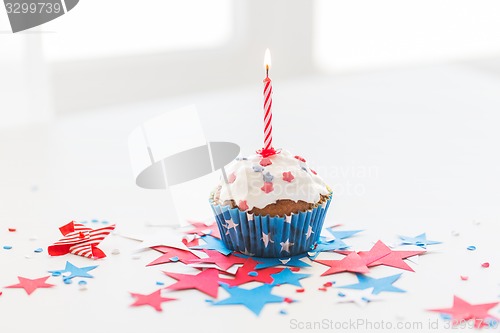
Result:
[
  {"x": 174, "y": 259},
  {"x": 471, "y": 248},
  {"x": 341, "y": 294},
  {"x": 67, "y": 281},
  {"x": 301, "y": 290},
  {"x": 115, "y": 251},
  {"x": 38, "y": 250},
  {"x": 94, "y": 220},
  {"x": 209, "y": 300},
  {"x": 12, "y": 229},
  {"x": 104, "y": 222},
  {"x": 365, "y": 299},
  {"x": 287, "y": 300},
  {"x": 82, "y": 283},
  {"x": 327, "y": 284},
  {"x": 83, "y": 222},
  {"x": 56, "y": 273},
  {"x": 7, "y": 247},
  {"x": 283, "y": 312},
  {"x": 159, "y": 283},
  {"x": 322, "y": 289},
  {"x": 136, "y": 256},
  {"x": 464, "y": 277},
  {"x": 485, "y": 264},
  {"x": 455, "y": 233},
  {"x": 253, "y": 273}
]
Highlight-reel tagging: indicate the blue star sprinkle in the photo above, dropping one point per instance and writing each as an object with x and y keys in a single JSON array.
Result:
[
  {"x": 420, "y": 241},
  {"x": 254, "y": 299},
  {"x": 257, "y": 168},
  {"x": 74, "y": 271},
  {"x": 286, "y": 276},
  {"x": 213, "y": 243},
  {"x": 268, "y": 178},
  {"x": 378, "y": 285}
]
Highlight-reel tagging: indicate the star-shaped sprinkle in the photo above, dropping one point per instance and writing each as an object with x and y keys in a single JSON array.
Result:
[
  {"x": 266, "y": 239},
  {"x": 213, "y": 244},
  {"x": 257, "y": 168},
  {"x": 309, "y": 232},
  {"x": 30, "y": 285},
  {"x": 202, "y": 229},
  {"x": 265, "y": 161},
  {"x": 378, "y": 285},
  {"x": 217, "y": 258},
  {"x": 249, "y": 273},
  {"x": 288, "y": 177},
  {"x": 254, "y": 299},
  {"x": 351, "y": 263},
  {"x": 420, "y": 240},
  {"x": 286, "y": 276},
  {"x": 242, "y": 205},
  {"x": 74, "y": 271},
  {"x": 154, "y": 300},
  {"x": 171, "y": 254},
  {"x": 268, "y": 178},
  {"x": 285, "y": 246},
  {"x": 267, "y": 188},
  {"x": 463, "y": 310},
  {"x": 206, "y": 281}
]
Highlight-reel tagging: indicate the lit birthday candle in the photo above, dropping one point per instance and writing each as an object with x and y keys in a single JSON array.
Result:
[{"x": 268, "y": 103}]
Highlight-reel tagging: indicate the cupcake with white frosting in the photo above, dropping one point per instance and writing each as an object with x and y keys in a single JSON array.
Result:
[{"x": 270, "y": 206}]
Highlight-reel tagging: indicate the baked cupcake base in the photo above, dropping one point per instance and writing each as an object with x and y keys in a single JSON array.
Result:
[{"x": 266, "y": 236}]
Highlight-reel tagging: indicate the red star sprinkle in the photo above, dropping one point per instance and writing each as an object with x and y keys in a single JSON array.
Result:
[
  {"x": 242, "y": 274},
  {"x": 462, "y": 310},
  {"x": 30, "y": 285},
  {"x": 206, "y": 281},
  {"x": 265, "y": 161},
  {"x": 242, "y": 205},
  {"x": 171, "y": 252},
  {"x": 268, "y": 187},
  {"x": 217, "y": 258},
  {"x": 288, "y": 177},
  {"x": 231, "y": 178},
  {"x": 154, "y": 300},
  {"x": 201, "y": 229},
  {"x": 351, "y": 263},
  {"x": 300, "y": 158}
]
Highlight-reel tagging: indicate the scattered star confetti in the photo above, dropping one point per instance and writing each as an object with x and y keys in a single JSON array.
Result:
[
  {"x": 202, "y": 229},
  {"x": 378, "y": 285},
  {"x": 206, "y": 281},
  {"x": 242, "y": 274},
  {"x": 30, "y": 285},
  {"x": 254, "y": 299},
  {"x": 74, "y": 271},
  {"x": 154, "y": 300},
  {"x": 213, "y": 243},
  {"x": 462, "y": 310},
  {"x": 351, "y": 263},
  {"x": 171, "y": 254},
  {"x": 420, "y": 241},
  {"x": 286, "y": 276}
]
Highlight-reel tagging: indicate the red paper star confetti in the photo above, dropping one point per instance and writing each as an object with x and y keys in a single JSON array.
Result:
[
  {"x": 201, "y": 229},
  {"x": 288, "y": 177},
  {"x": 462, "y": 310},
  {"x": 172, "y": 254},
  {"x": 217, "y": 258},
  {"x": 248, "y": 273},
  {"x": 80, "y": 240},
  {"x": 381, "y": 254},
  {"x": 268, "y": 187},
  {"x": 30, "y": 285},
  {"x": 206, "y": 281},
  {"x": 351, "y": 263},
  {"x": 154, "y": 300}
]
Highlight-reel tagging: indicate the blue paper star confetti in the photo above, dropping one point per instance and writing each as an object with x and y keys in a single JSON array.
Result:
[
  {"x": 213, "y": 243},
  {"x": 74, "y": 271},
  {"x": 293, "y": 261},
  {"x": 378, "y": 285},
  {"x": 420, "y": 241},
  {"x": 286, "y": 276},
  {"x": 254, "y": 299},
  {"x": 327, "y": 246},
  {"x": 343, "y": 234}
]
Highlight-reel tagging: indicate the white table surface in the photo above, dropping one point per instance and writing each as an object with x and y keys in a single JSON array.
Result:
[{"x": 407, "y": 151}]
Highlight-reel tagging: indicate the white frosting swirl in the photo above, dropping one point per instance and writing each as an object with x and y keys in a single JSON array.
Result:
[{"x": 253, "y": 182}]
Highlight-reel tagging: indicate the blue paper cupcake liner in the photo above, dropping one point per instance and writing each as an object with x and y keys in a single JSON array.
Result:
[{"x": 266, "y": 236}]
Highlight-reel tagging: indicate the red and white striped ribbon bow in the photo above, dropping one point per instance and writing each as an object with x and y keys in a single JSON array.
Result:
[{"x": 80, "y": 240}]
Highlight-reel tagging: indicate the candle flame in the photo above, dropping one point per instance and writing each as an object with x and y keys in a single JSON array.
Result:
[{"x": 267, "y": 60}]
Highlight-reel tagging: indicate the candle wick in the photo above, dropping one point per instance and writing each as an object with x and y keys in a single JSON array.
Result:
[{"x": 267, "y": 71}]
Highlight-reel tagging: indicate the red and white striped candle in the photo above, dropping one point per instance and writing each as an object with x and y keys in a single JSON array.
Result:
[{"x": 268, "y": 103}]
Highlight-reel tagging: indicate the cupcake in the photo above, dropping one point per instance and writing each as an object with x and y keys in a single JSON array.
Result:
[{"x": 270, "y": 206}]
